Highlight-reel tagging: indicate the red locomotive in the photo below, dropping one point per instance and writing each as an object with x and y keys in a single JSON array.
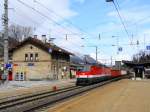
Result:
[{"x": 95, "y": 73}]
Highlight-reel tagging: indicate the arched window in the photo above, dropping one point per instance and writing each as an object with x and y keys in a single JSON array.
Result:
[
  {"x": 31, "y": 57},
  {"x": 36, "y": 57},
  {"x": 26, "y": 57}
]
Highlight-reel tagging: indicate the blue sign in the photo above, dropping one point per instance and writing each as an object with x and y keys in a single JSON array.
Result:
[
  {"x": 120, "y": 49},
  {"x": 30, "y": 64},
  {"x": 50, "y": 50},
  {"x": 148, "y": 47},
  {"x": 7, "y": 66}
]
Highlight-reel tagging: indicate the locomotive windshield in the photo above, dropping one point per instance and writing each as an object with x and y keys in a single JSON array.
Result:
[{"x": 86, "y": 68}]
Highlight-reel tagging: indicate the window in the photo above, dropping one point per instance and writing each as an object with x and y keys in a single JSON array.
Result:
[
  {"x": 21, "y": 76},
  {"x": 36, "y": 57},
  {"x": 26, "y": 57},
  {"x": 17, "y": 76},
  {"x": 31, "y": 57}
]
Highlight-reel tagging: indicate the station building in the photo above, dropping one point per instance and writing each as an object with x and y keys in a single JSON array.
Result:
[
  {"x": 140, "y": 69},
  {"x": 33, "y": 59}
]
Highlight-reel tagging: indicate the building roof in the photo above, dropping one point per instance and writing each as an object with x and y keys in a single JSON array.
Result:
[
  {"x": 76, "y": 60},
  {"x": 45, "y": 46},
  {"x": 134, "y": 64}
]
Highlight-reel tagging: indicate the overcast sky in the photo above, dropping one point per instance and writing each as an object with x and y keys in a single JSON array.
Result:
[{"x": 87, "y": 19}]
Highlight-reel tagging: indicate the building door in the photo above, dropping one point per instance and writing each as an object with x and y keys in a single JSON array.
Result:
[
  {"x": 20, "y": 76},
  {"x": 10, "y": 76},
  {"x": 139, "y": 71}
]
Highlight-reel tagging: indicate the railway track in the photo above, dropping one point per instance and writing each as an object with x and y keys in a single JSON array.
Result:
[{"x": 35, "y": 101}]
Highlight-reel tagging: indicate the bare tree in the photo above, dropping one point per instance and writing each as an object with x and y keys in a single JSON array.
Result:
[
  {"x": 27, "y": 31},
  {"x": 141, "y": 57},
  {"x": 19, "y": 32}
]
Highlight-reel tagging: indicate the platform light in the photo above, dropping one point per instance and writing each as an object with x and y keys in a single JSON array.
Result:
[{"x": 109, "y": 0}]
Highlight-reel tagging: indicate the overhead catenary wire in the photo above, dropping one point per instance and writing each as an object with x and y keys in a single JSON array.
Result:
[
  {"x": 42, "y": 14},
  {"x": 140, "y": 20},
  {"x": 25, "y": 16},
  {"x": 117, "y": 4},
  {"x": 29, "y": 19},
  {"x": 53, "y": 20},
  {"x": 19, "y": 0},
  {"x": 121, "y": 19},
  {"x": 66, "y": 20}
]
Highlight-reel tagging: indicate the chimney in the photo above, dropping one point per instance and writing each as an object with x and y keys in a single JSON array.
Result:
[
  {"x": 35, "y": 36},
  {"x": 44, "y": 38},
  {"x": 51, "y": 40}
]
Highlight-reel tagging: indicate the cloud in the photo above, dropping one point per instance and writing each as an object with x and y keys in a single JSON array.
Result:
[
  {"x": 108, "y": 27},
  {"x": 130, "y": 15},
  {"x": 54, "y": 11},
  {"x": 62, "y": 8}
]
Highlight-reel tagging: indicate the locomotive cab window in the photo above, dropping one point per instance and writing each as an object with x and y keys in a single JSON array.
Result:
[{"x": 86, "y": 68}]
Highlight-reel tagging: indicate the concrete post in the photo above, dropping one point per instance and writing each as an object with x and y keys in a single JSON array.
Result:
[
  {"x": 5, "y": 19},
  {"x": 143, "y": 75}
]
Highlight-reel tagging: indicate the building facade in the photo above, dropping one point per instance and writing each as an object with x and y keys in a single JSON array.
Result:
[{"x": 33, "y": 59}]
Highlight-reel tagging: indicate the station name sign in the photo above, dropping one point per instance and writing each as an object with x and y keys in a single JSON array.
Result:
[{"x": 148, "y": 47}]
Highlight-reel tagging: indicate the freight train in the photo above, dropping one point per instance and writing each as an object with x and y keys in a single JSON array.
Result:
[{"x": 91, "y": 74}]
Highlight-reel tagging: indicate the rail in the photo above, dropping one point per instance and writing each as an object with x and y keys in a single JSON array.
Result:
[{"x": 35, "y": 101}]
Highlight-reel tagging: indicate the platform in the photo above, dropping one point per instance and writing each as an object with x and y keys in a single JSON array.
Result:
[{"x": 122, "y": 96}]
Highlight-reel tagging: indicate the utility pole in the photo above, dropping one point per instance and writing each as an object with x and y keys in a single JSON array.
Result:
[
  {"x": 96, "y": 54},
  {"x": 111, "y": 60},
  {"x": 66, "y": 36},
  {"x": 99, "y": 36},
  {"x": 5, "y": 21}
]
